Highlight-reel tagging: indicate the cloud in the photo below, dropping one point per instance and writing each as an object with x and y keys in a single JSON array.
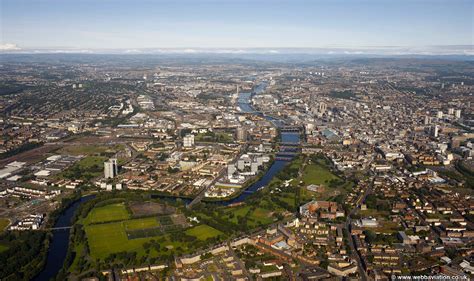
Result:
[{"x": 9, "y": 47}]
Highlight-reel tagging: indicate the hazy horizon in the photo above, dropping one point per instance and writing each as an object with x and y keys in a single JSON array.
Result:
[{"x": 230, "y": 25}]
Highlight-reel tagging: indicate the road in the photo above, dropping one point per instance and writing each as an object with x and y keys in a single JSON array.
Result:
[
  {"x": 202, "y": 192},
  {"x": 355, "y": 253}
]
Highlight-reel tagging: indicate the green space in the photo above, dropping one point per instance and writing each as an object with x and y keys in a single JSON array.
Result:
[
  {"x": 214, "y": 137},
  {"x": 141, "y": 223},
  {"x": 3, "y": 224},
  {"x": 105, "y": 239},
  {"x": 260, "y": 216},
  {"x": 373, "y": 213},
  {"x": 203, "y": 232},
  {"x": 90, "y": 150},
  {"x": 112, "y": 236},
  {"x": 86, "y": 169},
  {"x": 112, "y": 212},
  {"x": 343, "y": 94},
  {"x": 316, "y": 173},
  {"x": 388, "y": 227},
  {"x": 22, "y": 254}
]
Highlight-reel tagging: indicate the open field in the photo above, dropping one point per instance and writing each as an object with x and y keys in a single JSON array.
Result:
[
  {"x": 105, "y": 239},
  {"x": 141, "y": 223},
  {"x": 113, "y": 212},
  {"x": 260, "y": 216},
  {"x": 87, "y": 168},
  {"x": 233, "y": 213},
  {"x": 317, "y": 174},
  {"x": 373, "y": 213},
  {"x": 89, "y": 149},
  {"x": 109, "y": 238},
  {"x": 3, "y": 224},
  {"x": 110, "y": 229},
  {"x": 203, "y": 232}
]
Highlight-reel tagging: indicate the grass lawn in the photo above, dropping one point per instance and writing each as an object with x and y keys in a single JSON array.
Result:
[
  {"x": 105, "y": 239},
  {"x": 261, "y": 216},
  {"x": 141, "y": 223},
  {"x": 203, "y": 232},
  {"x": 106, "y": 229},
  {"x": 109, "y": 238},
  {"x": 317, "y": 174},
  {"x": 3, "y": 223},
  {"x": 288, "y": 198},
  {"x": 91, "y": 163},
  {"x": 113, "y": 212},
  {"x": 240, "y": 211},
  {"x": 87, "y": 168}
]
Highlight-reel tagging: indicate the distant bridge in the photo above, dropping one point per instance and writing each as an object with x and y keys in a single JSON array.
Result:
[
  {"x": 59, "y": 228},
  {"x": 290, "y": 129},
  {"x": 281, "y": 158},
  {"x": 287, "y": 153},
  {"x": 293, "y": 144}
]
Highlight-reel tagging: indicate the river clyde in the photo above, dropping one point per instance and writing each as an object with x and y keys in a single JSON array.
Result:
[{"x": 60, "y": 240}]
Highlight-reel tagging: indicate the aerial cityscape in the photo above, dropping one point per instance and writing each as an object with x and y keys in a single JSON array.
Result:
[{"x": 171, "y": 146}]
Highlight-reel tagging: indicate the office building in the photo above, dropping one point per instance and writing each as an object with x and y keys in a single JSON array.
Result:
[
  {"x": 188, "y": 140},
  {"x": 457, "y": 113},
  {"x": 110, "y": 168},
  {"x": 440, "y": 115}
]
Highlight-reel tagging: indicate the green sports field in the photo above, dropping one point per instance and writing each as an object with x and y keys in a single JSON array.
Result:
[
  {"x": 141, "y": 223},
  {"x": 113, "y": 212},
  {"x": 110, "y": 229},
  {"x": 203, "y": 232},
  {"x": 317, "y": 174},
  {"x": 105, "y": 239}
]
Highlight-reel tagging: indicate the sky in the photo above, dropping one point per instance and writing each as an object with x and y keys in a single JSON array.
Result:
[{"x": 137, "y": 24}]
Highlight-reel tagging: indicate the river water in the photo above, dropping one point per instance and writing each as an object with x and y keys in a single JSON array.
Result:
[
  {"x": 60, "y": 240},
  {"x": 244, "y": 103}
]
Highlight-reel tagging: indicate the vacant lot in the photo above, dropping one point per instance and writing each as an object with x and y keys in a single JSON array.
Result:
[
  {"x": 203, "y": 232},
  {"x": 89, "y": 149},
  {"x": 113, "y": 212},
  {"x": 150, "y": 208}
]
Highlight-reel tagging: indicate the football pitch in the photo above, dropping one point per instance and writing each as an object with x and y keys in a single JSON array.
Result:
[{"x": 110, "y": 229}]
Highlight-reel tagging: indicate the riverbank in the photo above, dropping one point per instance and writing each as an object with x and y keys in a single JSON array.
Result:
[{"x": 59, "y": 240}]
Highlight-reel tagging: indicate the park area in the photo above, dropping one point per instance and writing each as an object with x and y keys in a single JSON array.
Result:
[
  {"x": 317, "y": 172},
  {"x": 90, "y": 150},
  {"x": 112, "y": 229},
  {"x": 87, "y": 168},
  {"x": 203, "y": 232}
]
